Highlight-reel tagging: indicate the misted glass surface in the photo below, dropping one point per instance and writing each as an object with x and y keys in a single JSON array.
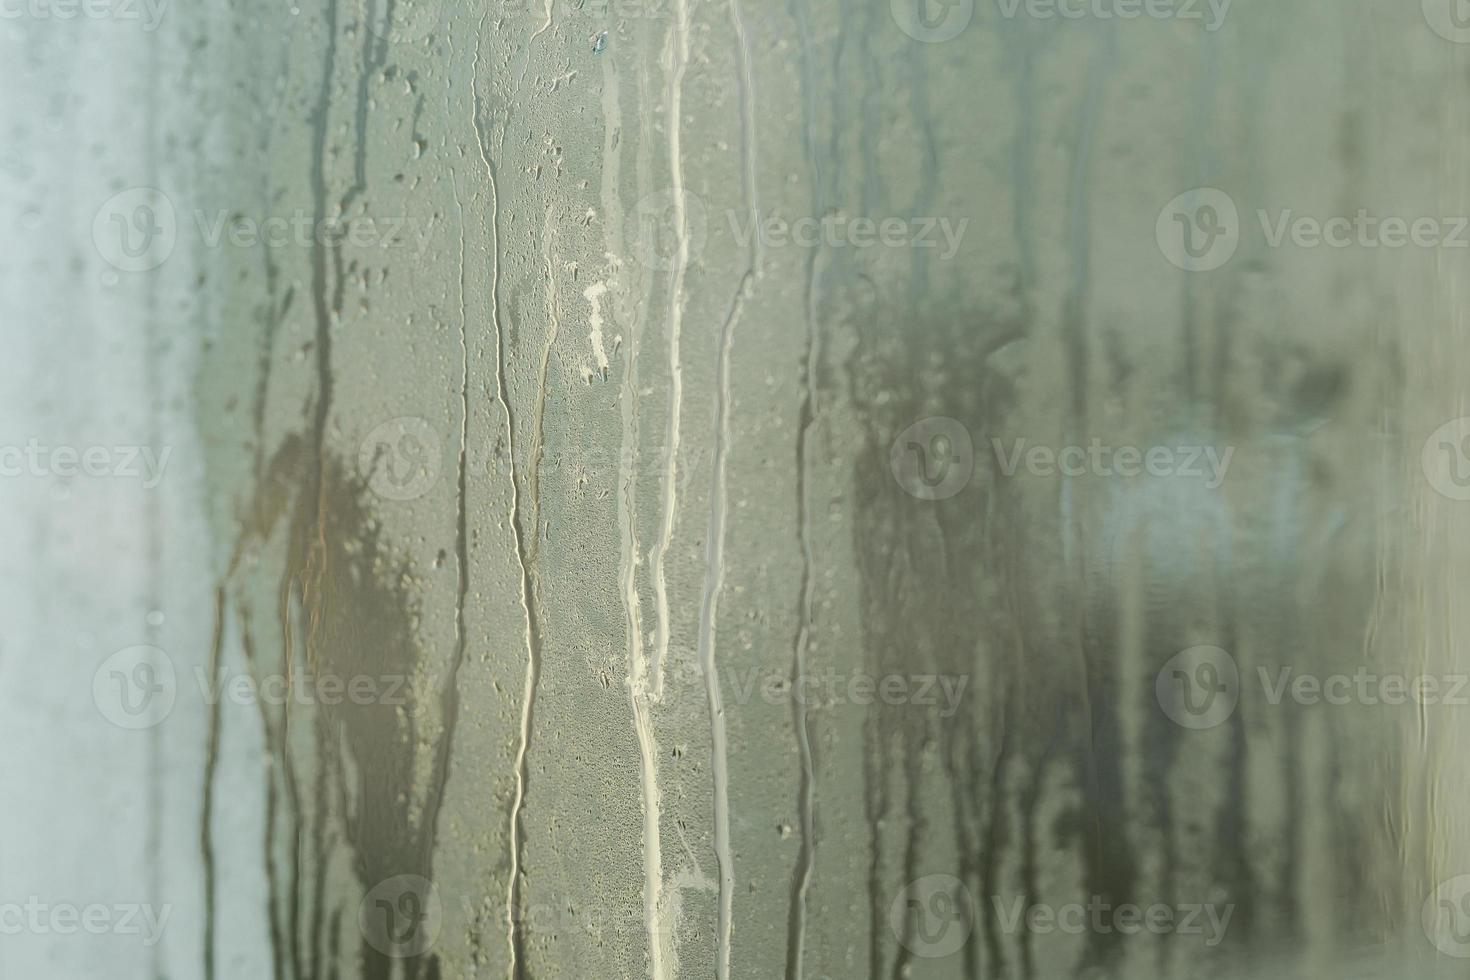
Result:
[{"x": 734, "y": 489}]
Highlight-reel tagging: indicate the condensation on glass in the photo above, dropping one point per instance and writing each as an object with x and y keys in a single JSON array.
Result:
[{"x": 657, "y": 488}]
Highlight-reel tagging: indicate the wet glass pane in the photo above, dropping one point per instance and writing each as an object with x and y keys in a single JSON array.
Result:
[{"x": 725, "y": 488}]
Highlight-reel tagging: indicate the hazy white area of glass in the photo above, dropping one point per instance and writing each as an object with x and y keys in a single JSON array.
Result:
[{"x": 458, "y": 368}]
